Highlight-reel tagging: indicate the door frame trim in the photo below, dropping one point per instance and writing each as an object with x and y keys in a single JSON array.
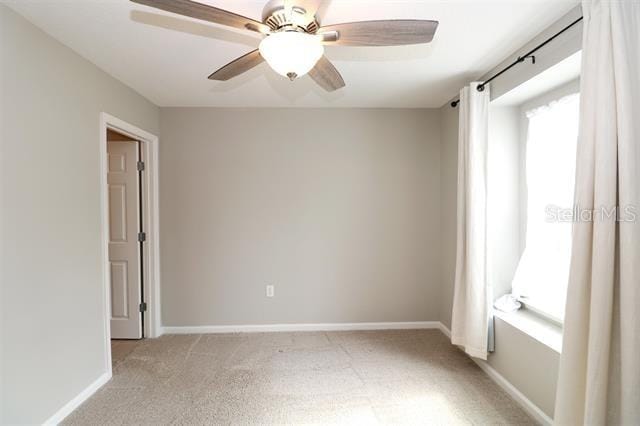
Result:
[{"x": 150, "y": 188}]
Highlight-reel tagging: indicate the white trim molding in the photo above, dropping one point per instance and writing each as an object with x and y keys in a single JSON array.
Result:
[
  {"x": 150, "y": 198},
  {"x": 443, "y": 328},
  {"x": 68, "y": 408},
  {"x": 532, "y": 409},
  {"x": 535, "y": 326},
  {"x": 261, "y": 328},
  {"x": 151, "y": 264}
]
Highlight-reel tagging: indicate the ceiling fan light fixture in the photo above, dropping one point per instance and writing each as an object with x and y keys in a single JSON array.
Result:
[
  {"x": 291, "y": 53},
  {"x": 293, "y": 43}
]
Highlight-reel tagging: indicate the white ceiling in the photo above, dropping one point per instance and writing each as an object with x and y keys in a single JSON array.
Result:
[{"x": 167, "y": 58}]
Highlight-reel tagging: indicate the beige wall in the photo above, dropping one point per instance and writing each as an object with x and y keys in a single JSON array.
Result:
[
  {"x": 530, "y": 366},
  {"x": 504, "y": 197},
  {"x": 448, "y": 206},
  {"x": 339, "y": 209},
  {"x": 53, "y": 329}
]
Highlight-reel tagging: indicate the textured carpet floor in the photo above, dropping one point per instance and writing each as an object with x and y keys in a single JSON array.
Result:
[{"x": 357, "y": 377}]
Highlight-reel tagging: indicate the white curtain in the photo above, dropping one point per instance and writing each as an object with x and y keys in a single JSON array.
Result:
[
  {"x": 472, "y": 296},
  {"x": 599, "y": 378}
]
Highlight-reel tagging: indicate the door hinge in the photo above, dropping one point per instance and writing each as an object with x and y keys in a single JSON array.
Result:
[
  {"x": 140, "y": 166},
  {"x": 143, "y": 307},
  {"x": 142, "y": 237}
]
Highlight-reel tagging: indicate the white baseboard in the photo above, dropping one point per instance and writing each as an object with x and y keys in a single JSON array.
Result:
[
  {"x": 62, "y": 413},
  {"x": 532, "y": 409},
  {"x": 301, "y": 327},
  {"x": 444, "y": 330}
]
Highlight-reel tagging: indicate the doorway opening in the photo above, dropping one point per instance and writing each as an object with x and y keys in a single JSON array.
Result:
[
  {"x": 125, "y": 174},
  {"x": 129, "y": 233}
]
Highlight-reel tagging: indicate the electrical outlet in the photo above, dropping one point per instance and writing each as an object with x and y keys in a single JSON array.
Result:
[{"x": 270, "y": 290}]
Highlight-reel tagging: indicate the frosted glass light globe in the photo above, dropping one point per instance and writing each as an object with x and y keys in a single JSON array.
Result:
[{"x": 291, "y": 53}]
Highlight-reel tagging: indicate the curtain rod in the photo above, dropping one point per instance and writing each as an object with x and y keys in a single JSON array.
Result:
[{"x": 529, "y": 54}]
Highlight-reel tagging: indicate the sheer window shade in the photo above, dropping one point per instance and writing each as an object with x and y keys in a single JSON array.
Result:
[{"x": 542, "y": 273}]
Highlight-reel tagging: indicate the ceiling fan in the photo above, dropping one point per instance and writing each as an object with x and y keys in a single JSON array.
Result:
[{"x": 293, "y": 43}]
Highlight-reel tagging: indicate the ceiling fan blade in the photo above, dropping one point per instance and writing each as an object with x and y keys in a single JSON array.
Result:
[
  {"x": 391, "y": 32},
  {"x": 326, "y": 75},
  {"x": 205, "y": 12},
  {"x": 238, "y": 66}
]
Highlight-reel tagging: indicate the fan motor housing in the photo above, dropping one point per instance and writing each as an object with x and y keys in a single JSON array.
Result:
[{"x": 274, "y": 15}]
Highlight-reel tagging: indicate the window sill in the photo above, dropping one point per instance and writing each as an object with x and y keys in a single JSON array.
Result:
[{"x": 538, "y": 328}]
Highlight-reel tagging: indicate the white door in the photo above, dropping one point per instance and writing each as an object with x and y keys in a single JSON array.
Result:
[{"x": 124, "y": 248}]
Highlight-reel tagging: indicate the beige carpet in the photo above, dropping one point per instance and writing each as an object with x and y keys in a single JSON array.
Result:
[{"x": 359, "y": 377}]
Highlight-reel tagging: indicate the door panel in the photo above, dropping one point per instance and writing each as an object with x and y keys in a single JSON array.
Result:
[
  {"x": 119, "y": 291},
  {"x": 117, "y": 213},
  {"x": 124, "y": 248}
]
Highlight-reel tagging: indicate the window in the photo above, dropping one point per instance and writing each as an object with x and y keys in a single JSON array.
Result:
[{"x": 543, "y": 271}]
